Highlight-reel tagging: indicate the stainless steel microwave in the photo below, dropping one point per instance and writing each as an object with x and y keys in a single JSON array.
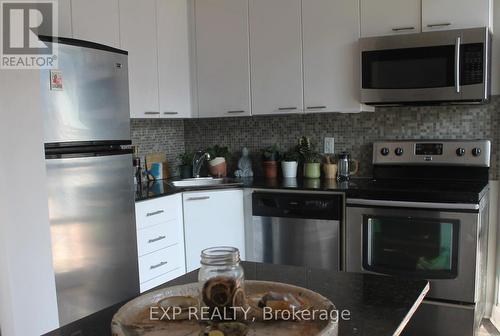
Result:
[{"x": 445, "y": 67}]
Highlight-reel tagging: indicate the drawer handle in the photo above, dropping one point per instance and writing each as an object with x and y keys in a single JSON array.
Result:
[
  {"x": 445, "y": 24},
  {"x": 235, "y": 111},
  {"x": 316, "y": 107},
  {"x": 198, "y": 198},
  {"x": 163, "y": 263},
  {"x": 149, "y": 214},
  {"x": 151, "y": 112},
  {"x": 402, "y": 28},
  {"x": 286, "y": 108},
  {"x": 156, "y": 239},
  {"x": 170, "y": 113}
]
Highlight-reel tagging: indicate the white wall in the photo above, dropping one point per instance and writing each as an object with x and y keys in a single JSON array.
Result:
[
  {"x": 28, "y": 304},
  {"x": 495, "y": 69}
]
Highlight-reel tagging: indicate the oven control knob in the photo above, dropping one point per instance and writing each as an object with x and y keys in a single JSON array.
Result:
[
  {"x": 476, "y": 151},
  {"x": 460, "y": 152},
  {"x": 384, "y": 151},
  {"x": 399, "y": 151}
]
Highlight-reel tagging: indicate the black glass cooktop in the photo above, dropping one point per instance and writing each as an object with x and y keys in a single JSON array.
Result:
[{"x": 418, "y": 190}]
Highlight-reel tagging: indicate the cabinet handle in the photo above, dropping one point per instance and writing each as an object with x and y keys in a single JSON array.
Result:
[
  {"x": 403, "y": 28},
  {"x": 316, "y": 107},
  {"x": 171, "y": 113},
  {"x": 235, "y": 111},
  {"x": 151, "y": 112},
  {"x": 432, "y": 25},
  {"x": 154, "y": 213},
  {"x": 156, "y": 239},
  {"x": 287, "y": 108},
  {"x": 163, "y": 263},
  {"x": 198, "y": 198}
]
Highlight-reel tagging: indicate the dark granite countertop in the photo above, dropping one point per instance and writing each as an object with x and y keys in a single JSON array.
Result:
[
  {"x": 368, "y": 188},
  {"x": 378, "y": 305}
]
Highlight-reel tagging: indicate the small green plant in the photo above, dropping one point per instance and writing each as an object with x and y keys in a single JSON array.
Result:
[
  {"x": 271, "y": 153},
  {"x": 291, "y": 155},
  {"x": 218, "y": 151},
  {"x": 305, "y": 148},
  {"x": 312, "y": 157},
  {"x": 186, "y": 158}
]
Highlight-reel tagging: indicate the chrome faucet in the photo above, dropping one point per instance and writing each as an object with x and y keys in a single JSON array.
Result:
[{"x": 198, "y": 159}]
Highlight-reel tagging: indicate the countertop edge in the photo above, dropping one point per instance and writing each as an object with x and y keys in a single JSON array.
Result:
[{"x": 412, "y": 311}]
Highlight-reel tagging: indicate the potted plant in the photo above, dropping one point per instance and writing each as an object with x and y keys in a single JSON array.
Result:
[
  {"x": 290, "y": 163},
  {"x": 270, "y": 157},
  {"x": 330, "y": 167},
  {"x": 186, "y": 167},
  {"x": 312, "y": 165},
  {"x": 219, "y": 156},
  {"x": 312, "y": 159}
]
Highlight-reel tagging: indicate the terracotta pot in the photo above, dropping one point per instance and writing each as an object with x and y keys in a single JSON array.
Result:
[
  {"x": 218, "y": 167},
  {"x": 330, "y": 171},
  {"x": 270, "y": 169}
]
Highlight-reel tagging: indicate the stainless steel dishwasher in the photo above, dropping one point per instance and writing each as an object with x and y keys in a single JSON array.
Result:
[{"x": 295, "y": 229}]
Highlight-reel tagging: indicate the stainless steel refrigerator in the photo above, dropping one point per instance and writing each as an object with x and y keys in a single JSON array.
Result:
[{"x": 90, "y": 178}]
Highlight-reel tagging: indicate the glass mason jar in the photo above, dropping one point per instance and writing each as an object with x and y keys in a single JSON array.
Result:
[{"x": 221, "y": 280}]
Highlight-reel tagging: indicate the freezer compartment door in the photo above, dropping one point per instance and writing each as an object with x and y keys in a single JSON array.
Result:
[
  {"x": 86, "y": 98},
  {"x": 92, "y": 217}
]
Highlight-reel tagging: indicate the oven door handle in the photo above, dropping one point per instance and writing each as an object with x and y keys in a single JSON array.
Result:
[
  {"x": 416, "y": 205},
  {"x": 457, "y": 64}
]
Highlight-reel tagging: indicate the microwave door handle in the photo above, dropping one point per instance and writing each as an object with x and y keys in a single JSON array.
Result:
[{"x": 457, "y": 64}]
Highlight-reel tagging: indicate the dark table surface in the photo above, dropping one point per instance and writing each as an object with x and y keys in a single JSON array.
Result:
[
  {"x": 377, "y": 305},
  {"x": 367, "y": 188}
]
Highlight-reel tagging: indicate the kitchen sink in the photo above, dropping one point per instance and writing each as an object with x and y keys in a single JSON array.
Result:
[{"x": 204, "y": 182}]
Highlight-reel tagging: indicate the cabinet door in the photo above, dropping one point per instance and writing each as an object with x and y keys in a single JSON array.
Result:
[
  {"x": 331, "y": 55},
  {"x": 138, "y": 36},
  {"x": 390, "y": 17},
  {"x": 211, "y": 219},
  {"x": 455, "y": 14},
  {"x": 174, "y": 59},
  {"x": 276, "y": 62},
  {"x": 96, "y": 21},
  {"x": 222, "y": 58}
]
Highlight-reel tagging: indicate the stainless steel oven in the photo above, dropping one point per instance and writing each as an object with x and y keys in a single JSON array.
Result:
[
  {"x": 424, "y": 215},
  {"x": 440, "y": 242},
  {"x": 433, "y": 67}
]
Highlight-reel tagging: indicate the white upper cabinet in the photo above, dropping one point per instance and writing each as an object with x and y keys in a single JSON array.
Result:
[
  {"x": 276, "y": 62},
  {"x": 331, "y": 55},
  {"x": 174, "y": 58},
  {"x": 223, "y": 67},
  {"x": 96, "y": 21},
  {"x": 390, "y": 17},
  {"x": 138, "y": 37},
  {"x": 455, "y": 14}
]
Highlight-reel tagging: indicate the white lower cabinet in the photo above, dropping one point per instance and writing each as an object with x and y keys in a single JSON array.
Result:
[
  {"x": 160, "y": 240},
  {"x": 212, "y": 218}
]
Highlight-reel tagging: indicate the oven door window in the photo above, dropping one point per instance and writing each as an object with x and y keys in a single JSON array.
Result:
[
  {"x": 410, "y": 68},
  {"x": 415, "y": 247}
]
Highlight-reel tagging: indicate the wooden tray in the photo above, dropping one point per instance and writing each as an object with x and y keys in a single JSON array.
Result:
[{"x": 124, "y": 320}]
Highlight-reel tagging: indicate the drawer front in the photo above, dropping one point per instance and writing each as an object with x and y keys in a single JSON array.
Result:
[
  {"x": 156, "y": 237},
  {"x": 162, "y": 279},
  {"x": 157, "y": 211},
  {"x": 161, "y": 262}
]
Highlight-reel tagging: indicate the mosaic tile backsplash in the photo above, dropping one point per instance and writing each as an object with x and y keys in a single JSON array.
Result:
[
  {"x": 352, "y": 132},
  {"x": 159, "y": 135}
]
